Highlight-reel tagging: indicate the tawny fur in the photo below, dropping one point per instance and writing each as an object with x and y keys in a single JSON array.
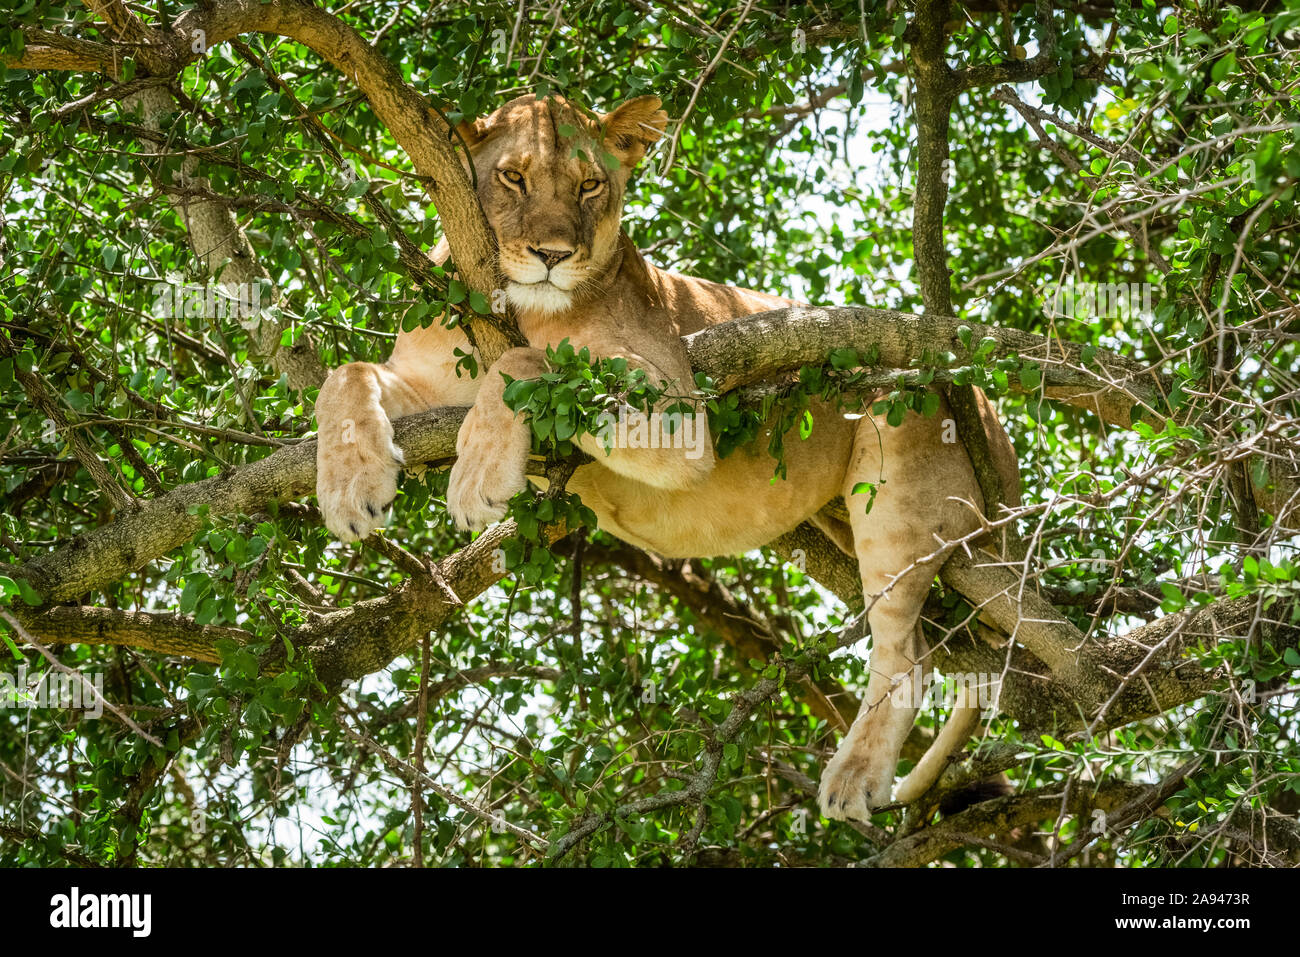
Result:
[{"x": 573, "y": 274}]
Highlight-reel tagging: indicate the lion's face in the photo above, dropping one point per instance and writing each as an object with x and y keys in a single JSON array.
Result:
[{"x": 551, "y": 180}]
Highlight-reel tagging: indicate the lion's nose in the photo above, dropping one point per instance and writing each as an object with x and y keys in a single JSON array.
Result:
[{"x": 551, "y": 257}]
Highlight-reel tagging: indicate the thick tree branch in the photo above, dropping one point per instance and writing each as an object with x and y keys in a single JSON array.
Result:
[
  {"x": 165, "y": 634},
  {"x": 998, "y": 816},
  {"x": 762, "y": 346},
  {"x": 47, "y": 50},
  {"x": 111, "y": 552},
  {"x": 419, "y": 128}
]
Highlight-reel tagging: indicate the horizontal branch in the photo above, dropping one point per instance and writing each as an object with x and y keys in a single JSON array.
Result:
[
  {"x": 762, "y": 346},
  {"x": 999, "y": 816},
  {"x": 134, "y": 539},
  {"x": 47, "y": 50},
  {"x": 166, "y": 634}
]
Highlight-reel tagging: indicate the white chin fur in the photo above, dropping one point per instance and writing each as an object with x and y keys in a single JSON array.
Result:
[{"x": 538, "y": 297}]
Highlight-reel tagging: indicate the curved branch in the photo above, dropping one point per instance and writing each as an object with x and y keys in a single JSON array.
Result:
[
  {"x": 998, "y": 816},
  {"x": 419, "y": 128}
]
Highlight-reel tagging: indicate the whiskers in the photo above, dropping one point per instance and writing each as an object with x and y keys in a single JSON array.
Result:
[{"x": 587, "y": 286}]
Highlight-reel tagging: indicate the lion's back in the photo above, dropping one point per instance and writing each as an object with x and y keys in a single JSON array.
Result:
[{"x": 697, "y": 303}]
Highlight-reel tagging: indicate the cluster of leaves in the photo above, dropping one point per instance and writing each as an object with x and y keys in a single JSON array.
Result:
[
  {"x": 578, "y": 395},
  {"x": 835, "y": 382}
]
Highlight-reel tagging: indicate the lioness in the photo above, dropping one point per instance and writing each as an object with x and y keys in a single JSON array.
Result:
[{"x": 572, "y": 273}]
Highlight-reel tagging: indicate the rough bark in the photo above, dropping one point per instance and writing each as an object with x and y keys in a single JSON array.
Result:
[
  {"x": 136, "y": 538},
  {"x": 223, "y": 249},
  {"x": 421, "y": 131}
]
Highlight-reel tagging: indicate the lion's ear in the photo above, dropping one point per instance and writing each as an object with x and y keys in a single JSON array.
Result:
[
  {"x": 474, "y": 132},
  {"x": 633, "y": 127}
]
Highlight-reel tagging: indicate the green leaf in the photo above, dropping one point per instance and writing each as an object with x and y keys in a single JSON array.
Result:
[
  {"x": 1225, "y": 65},
  {"x": 191, "y": 594},
  {"x": 27, "y": 593},
  {"x": 869, "y": 489},
  {"x": 13, "y": 649}
]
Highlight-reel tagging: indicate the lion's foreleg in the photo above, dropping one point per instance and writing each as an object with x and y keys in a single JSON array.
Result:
[
  {"x": 492, "y": 446},
  {"x": 357, "y": 464}
]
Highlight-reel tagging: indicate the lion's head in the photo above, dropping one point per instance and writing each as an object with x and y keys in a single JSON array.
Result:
[{"x": 551, "y": 181}]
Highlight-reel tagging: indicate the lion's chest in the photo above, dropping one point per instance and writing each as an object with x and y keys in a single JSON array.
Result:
[{"x": 595, "y": 330}]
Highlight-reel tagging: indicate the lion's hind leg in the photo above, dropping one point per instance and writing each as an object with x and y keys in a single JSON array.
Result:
[
  {"x": 915, "y": 495},
  {"x": 861, "y": 775},
  {"x": 956, "y": 731}
]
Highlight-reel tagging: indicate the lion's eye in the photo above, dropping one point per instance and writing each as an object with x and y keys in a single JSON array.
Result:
[
  {"x": 590, "y": 186},
  {"x": 512, "y": 178}
]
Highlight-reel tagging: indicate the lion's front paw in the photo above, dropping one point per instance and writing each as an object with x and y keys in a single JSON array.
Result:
[
  {"x": 854, "y": 782},
  {"x": 488, "y": 473},
  {"x": 356, "y": 480}
]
